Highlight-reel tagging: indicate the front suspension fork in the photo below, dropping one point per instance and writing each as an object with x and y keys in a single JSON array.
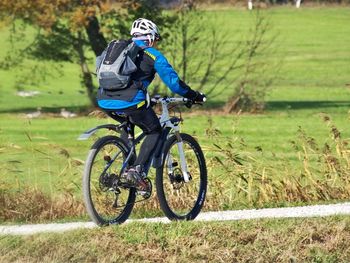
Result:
[{"x": 183, "y": 164}]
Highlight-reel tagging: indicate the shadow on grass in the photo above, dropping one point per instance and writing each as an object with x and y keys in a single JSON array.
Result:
[
  {"x": 210, "y": 105},
  {"x": 76, "y": 109},
  {"x": 300, "y": 105},
  {"x": 88, "y": 108}
]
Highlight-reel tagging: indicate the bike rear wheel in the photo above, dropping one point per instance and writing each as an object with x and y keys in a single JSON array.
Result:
[
  {"x": 178, "y": 199},
  {"x": 107, "y": 202}
]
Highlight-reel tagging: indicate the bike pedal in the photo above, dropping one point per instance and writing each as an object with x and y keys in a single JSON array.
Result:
[{"x": 144, "y": 194}]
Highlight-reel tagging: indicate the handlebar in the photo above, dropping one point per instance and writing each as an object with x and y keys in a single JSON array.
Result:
[{"x": 158, "y": 99}]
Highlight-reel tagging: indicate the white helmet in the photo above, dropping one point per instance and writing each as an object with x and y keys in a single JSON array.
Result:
[{"x": 145, "y": 27}]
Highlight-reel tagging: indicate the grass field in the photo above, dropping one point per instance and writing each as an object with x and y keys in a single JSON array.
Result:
[
  {"x": 314, "y": 44},
  {"x": 45, "y": 155},
  {"x": 34, "y": 149},
  {"x": 287, "y": 240}
]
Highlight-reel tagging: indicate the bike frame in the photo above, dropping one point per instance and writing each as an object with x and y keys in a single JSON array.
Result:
[{"x": 168, "y": 124}]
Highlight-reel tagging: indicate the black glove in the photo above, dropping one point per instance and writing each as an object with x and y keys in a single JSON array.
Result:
[
  {"x": 195, "y": 96},
  {"x": 200, "y": 97}
]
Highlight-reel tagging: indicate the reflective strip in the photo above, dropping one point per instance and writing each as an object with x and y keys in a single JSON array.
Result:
[
  {"x": 151, "y": 55},
  {"x": 140, "y": 104}
]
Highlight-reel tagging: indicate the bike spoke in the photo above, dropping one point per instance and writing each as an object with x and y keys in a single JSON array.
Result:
[
  {"x": 181, "y": 196},
  {"x": 108, "y": 200}
]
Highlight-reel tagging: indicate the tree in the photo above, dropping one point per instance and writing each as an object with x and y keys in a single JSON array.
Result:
[
  {"x": 212, "y": 60},
  {"x": 68, "y": 29},
  {"x": 258, "y": 69}
]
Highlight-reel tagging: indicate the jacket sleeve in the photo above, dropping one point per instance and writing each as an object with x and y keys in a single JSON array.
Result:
[{"x": 169, "y": 76}]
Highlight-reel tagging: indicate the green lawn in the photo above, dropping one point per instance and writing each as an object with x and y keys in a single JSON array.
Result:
[
  {"x": 32, "y": 150},
  {"x": 312, "y": 42},
  {"x": 314, "y": 45},
  {"x": 43, "y": 152}
]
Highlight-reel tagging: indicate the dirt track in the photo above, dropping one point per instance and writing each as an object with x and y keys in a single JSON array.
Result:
[{"x": 287, "y": 212}]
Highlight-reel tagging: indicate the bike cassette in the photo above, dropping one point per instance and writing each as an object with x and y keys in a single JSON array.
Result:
[{"x": 106, "y": 181}]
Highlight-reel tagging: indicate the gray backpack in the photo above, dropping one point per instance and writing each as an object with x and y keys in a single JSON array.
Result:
[{"x": 116, "y": 64}]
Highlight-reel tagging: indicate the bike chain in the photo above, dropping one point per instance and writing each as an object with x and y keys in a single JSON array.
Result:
[{"x": 144, "y": 198}]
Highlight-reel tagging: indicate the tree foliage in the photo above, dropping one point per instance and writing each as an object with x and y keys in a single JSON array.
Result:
[
  {"x": 68, "y": 29},
  {"x": 206, "y": 57}
]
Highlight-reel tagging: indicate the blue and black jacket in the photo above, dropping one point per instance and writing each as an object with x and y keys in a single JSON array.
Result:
[{"x": 149, "y": 61}]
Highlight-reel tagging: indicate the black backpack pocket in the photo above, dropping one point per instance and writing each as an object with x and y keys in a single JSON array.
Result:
[{"x": 128, "y": 67}]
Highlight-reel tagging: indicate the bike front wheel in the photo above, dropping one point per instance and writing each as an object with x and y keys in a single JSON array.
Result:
[
  {"x": 178, "y": 199},
  {"x": 107, "y": 202}
]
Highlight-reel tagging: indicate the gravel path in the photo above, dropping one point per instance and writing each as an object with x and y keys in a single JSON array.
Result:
[{"x": 286, "y": 212}]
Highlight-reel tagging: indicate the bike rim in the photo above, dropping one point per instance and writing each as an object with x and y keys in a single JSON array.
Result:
[
  {"x": 108, "y": 204},
  {"x": 181, "y": 196}
]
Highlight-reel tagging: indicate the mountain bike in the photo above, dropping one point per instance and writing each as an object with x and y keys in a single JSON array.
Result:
[{"x": 181, "y": 173}]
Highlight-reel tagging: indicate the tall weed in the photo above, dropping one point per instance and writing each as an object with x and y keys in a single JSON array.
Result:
[
  {"x": 240, "y": 175},
  {"x": 247, "y": 179},
  {"x": 26, "y": 201},
  {"x": 28, "y": 204}
]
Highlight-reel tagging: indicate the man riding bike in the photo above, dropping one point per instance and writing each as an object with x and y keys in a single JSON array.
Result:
[{"x": 135, "y": 105}]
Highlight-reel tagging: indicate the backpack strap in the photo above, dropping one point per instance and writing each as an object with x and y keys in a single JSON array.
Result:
[{"x": 133, "y": 50}]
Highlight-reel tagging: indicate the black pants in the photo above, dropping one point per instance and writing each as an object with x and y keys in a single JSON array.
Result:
[{"x": 147, "y": 120}]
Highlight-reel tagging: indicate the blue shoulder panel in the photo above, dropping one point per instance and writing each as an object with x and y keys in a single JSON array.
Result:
[{"x": 165, "y": 71}]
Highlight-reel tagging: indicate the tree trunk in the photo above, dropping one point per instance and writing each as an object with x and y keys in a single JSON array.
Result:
[
  {"x": 231, "y": 104},
  {"x": 97, "y": 41},
  {"x": 87, "y": 76}
]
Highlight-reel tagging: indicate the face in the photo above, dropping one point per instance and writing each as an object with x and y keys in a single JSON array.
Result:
[{"x": 155, "y": 42}]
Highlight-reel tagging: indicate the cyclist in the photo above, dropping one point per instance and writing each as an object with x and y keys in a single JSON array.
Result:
[{"x": 119, "y": 106}]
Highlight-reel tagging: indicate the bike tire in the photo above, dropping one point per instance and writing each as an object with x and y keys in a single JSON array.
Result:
[
  {"x": 164, "y": 194},
  {"x": 89, "y": 187}
]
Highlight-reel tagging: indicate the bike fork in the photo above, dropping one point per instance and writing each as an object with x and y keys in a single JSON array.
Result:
[{"x": 180, "y": 147}]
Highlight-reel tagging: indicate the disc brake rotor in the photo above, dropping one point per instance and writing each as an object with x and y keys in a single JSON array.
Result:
[{"x": 176, "y": 179}]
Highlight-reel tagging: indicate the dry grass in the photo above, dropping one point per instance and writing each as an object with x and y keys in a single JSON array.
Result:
[
  {"x": 322, "y": 173},
  {"x": 288, "y": 240},
  {"x": 26, "y": 202},
  {"x": 32, "y": 205},
  {"x": 237, "y": 178}
]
